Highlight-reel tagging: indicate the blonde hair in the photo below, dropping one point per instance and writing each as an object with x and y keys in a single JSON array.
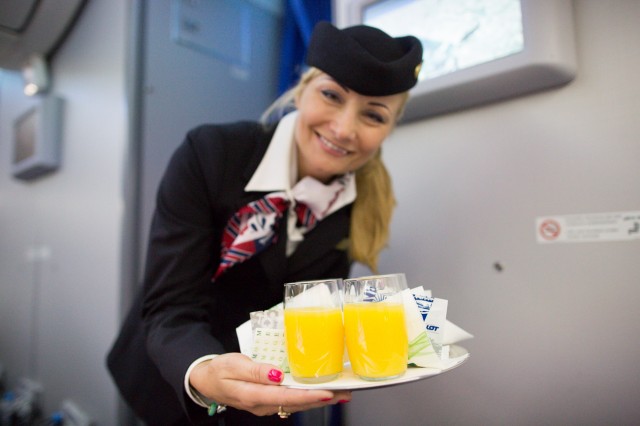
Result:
[{"x": 373, "y": 208}]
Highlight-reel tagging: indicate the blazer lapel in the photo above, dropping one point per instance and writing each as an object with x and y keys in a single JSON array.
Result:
[
  {"x": 274, "y": 258},
  {"x": 249, "y": 169},
  {"x": 327, "y": 235}
]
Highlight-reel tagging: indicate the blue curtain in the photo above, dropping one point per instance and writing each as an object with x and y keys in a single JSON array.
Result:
[{"x": 300, "y": 16}]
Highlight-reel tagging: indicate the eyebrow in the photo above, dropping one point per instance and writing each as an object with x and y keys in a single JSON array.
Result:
[{"x": 380, "y": 104}]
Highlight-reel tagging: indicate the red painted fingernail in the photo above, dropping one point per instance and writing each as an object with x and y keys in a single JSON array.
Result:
[
  {"x": 275, "y": 375},
  {"x": 326, "y": 399},
  {"x": 344, "y": 401}
]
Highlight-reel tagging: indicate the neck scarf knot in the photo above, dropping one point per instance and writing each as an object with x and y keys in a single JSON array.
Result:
[{"x": 254, "y": 226}]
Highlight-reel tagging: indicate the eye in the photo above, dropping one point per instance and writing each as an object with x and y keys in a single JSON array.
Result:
[
  {"x": 331, "y": 95},
  {"x": 376, "y": 117}
]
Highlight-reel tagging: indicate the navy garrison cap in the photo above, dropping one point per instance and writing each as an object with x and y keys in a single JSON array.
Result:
[{"x": 366, "y": 59}]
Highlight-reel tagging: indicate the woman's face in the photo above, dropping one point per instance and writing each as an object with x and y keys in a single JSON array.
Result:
[{"x": 339, "y": 130}]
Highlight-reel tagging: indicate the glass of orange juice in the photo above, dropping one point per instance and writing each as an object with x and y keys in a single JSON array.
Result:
[
  {"x": 374, "y": 325},
  {"x": 314, "y": 332}
]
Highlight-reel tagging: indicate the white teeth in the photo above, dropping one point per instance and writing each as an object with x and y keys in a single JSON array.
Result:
[{"x": 333, "y": 147}]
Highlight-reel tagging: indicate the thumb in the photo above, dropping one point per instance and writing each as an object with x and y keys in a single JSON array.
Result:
[
  {"x": 257, "y": 372},
  {"x": 268, "y": 374}
]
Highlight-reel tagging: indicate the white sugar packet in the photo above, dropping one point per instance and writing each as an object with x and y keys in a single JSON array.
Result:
[
  {"x": 453, "y": 334},
  {"x": 434, "y": 316},
  {"x": 421, "y": 350},
  {"x": 420, "y": 291}
]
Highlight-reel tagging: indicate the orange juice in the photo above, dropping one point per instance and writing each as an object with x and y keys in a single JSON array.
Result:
[
  {"x": 376, "y": 339},
  {"x": 315, "y": 343}
]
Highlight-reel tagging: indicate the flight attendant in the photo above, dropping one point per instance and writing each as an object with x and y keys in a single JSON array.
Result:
[{"x": 244, "y": 208}]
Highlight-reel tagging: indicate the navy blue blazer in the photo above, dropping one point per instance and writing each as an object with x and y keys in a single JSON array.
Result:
[{"x": 180, "y": 314}]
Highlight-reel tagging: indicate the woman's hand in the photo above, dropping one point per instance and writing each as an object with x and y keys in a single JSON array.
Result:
[{"x": 235, "y": 380}]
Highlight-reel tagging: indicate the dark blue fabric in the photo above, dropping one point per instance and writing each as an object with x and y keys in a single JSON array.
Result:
[{"x": 300, "y": 16}]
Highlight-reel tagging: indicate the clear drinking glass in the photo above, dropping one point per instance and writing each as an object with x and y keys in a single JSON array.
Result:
[
  {"x": 399, "y": 277},
  {"x": 374, "y": 324},
  {"x": 314, "y": 331}
]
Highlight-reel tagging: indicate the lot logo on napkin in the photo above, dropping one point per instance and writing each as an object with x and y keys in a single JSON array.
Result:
[{"x": 421, "y": 351}]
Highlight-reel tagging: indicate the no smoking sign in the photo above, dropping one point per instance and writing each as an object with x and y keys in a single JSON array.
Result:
[
  {"x": 549, "y": 229},
  {"x": 590, "y": 227}
]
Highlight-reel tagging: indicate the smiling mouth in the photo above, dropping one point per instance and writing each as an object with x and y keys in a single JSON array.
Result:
[{"x": 331, "y": 147}]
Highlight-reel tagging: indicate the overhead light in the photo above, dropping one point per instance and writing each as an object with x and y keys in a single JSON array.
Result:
[{"x": 35, "y": 74}]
